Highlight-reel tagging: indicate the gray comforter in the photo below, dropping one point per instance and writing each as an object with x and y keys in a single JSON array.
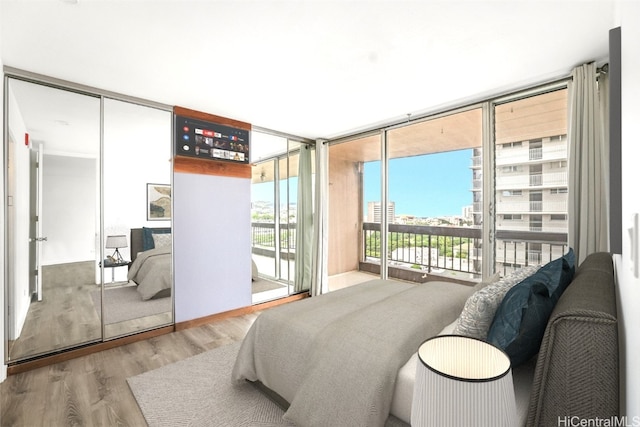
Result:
[
  {"x": 335, "y": 358},
  {"x": 151, "y": 270}
]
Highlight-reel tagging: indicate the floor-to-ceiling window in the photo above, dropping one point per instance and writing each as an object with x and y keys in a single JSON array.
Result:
[
  {"x": 462, "y": 194},
  {"x": 434, "y": 174},
  {"x": 531, "y": 152}
]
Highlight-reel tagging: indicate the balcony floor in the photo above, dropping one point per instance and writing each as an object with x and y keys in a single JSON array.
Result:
[{"x": 268, "y": 288}]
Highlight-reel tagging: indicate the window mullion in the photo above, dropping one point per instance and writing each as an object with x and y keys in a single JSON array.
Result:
[{"x": 488, "y": 190}]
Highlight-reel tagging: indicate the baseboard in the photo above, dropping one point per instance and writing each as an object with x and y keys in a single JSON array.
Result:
[
  {"x": 28, "y": 365},
  {"x": 237, "y": 312}
]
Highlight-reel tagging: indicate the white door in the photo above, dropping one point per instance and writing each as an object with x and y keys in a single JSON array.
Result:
[{"x": 35, "y": 227}]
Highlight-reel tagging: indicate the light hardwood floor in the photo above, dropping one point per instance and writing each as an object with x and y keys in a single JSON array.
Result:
[
  {"x": 67, "y": 317},
  {"x": 92, "y": 390}
]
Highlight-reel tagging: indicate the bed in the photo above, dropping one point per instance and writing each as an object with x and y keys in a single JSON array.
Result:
[
  {"x": 310, "y": 353},
  {"x": 350, "y": 355},
  {"x": 151, "y": 262}
]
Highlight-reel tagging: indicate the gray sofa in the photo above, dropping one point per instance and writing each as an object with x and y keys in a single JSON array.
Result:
[{"x": 577, "y": 369}]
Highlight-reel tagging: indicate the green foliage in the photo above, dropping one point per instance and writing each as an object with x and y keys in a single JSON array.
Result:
[
  {"x": 262, "y": 217},
  {"x": 444, "y": 244}
]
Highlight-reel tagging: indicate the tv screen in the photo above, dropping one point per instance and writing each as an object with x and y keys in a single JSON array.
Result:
[{"x": 206, "y": 140}]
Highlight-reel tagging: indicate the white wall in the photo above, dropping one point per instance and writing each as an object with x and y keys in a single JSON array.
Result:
[
  {"x": 137, "y": 151},
  {"x": 212, "y": 244},
  {"x": 3, "y": 367},
  {"x": 629, "y": 286},
  {"x": 68, "y": 209}
]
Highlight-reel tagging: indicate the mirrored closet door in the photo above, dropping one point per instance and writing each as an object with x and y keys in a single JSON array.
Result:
[
  {"x": 52, "y": 176},
  {"x": 88, "y": 207},
  {"x": 137, "y": 218}
]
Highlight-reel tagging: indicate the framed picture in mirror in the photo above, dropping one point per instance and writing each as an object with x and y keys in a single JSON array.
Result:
[{"x": 158, "y": 202}]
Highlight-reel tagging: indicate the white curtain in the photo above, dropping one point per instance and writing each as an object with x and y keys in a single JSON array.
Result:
[
  {"x": 304, "y": 225},
  {"x": 320, "y": 281},
  {"x": 588, "y": 162}
]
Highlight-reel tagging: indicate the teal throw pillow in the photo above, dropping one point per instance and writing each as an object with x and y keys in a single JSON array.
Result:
[{"x": 521, "y": 318}]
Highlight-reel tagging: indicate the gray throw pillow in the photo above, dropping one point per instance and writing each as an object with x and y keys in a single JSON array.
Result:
[
  {"x": 161, "y": 240},
  {"x": 480, "y": 308}
]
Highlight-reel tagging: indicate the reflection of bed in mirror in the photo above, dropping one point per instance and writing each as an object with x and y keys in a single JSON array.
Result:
[
  {"x": 144, "y": 301},
  {"x": 151, "y": 262}
]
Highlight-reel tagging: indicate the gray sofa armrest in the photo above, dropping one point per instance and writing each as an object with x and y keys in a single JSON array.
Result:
[{"x": 577, "y": 373}]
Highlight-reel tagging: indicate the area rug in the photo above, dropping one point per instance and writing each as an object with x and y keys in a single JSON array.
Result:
[
  {"x": 198, "y": 392},
  {"x": 125, "y": 303}
]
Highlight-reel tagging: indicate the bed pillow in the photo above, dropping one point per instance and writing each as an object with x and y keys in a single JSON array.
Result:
[
  {"x": 480, "y": 308},
  {"x": 161, "y": 240},
  {"x": 147, "y": 236},
  {"x": 521, "y": 319}
]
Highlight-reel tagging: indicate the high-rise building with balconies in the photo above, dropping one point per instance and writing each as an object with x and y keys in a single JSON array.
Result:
[
  {"x": 531, "y": 185},
  {"x": 531, "y": 190},
  {"x": 530, "y": 181}
]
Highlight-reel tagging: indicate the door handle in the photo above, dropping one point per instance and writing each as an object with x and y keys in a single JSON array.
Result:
[{"x": 38, "y": 239}]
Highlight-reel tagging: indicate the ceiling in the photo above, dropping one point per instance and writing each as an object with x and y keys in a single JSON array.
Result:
[{"x": 316, "y": 69}]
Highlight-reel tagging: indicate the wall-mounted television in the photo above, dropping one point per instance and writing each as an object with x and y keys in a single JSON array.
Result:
[{"x": 212, "y": 141}]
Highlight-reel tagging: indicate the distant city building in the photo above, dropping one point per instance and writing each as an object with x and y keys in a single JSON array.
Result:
[
  {"x": 467, "y": 213},
  {"x": 374, "y": 212}
]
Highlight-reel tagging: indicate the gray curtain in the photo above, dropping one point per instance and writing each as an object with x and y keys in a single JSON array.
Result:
[
  {"x": 304, "y": 225},
  {"x": 588, "y": 162}
]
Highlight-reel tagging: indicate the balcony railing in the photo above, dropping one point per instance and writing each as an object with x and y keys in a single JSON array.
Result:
[
  {"x": 549, "y": 152},
  {"x": 523, "y": 180},
  {"x": 424, "y": 247},
  {"x": 434, "y": 249},
  {"x": 263, "y": 238},
  {"x": 535, "y": 153},
  {"x": 535, "y": 179},
  {"x": 515, "y": 249},
  {"x": 525, "y": 206}
]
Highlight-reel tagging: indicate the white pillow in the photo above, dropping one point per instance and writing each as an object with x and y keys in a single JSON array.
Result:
[
  {"x": 161, "y": 240},
  {"x": 480, "y": 308},
  {"x": 254, "y": 270}
]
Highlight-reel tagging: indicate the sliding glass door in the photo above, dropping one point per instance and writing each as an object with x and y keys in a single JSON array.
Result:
[
  {"x": 434, "y": 176},
  {"x": 275, "y": 208}
]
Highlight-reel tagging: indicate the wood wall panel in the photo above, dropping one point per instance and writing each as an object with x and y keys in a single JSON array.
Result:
[
  {"x": 344, "y": 216},
  {"x": 211, "y": 167}
]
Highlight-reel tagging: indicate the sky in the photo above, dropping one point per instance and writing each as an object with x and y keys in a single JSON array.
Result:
[{"x": 425, "y": 186}]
